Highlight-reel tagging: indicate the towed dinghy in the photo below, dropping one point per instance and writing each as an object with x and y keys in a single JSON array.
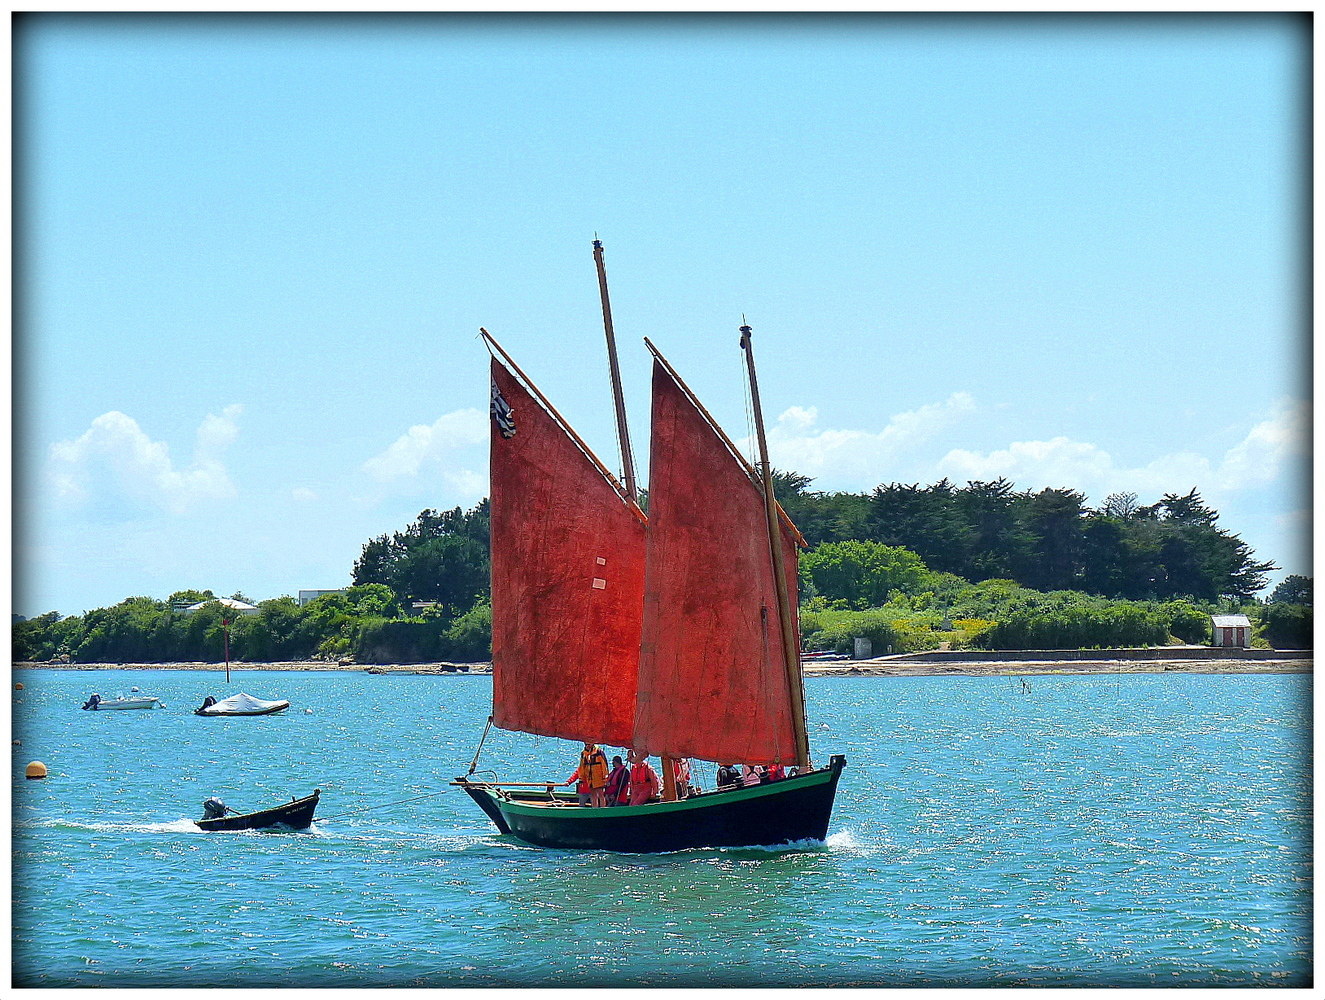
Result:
[
  {"x": 240, "y": 704},
  {"x": 297, "y": 814}
]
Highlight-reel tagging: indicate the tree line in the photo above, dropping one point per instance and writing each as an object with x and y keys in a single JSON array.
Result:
[
  {"x": 911, "y": 567},
  {"x": 366, "y": 623},
  {"x": 1047, "y": 540}
]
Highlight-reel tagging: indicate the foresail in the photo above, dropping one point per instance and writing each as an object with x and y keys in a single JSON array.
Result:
[
  {"x": 567, "y": 580},
  {"x": 713, "y": 682}
]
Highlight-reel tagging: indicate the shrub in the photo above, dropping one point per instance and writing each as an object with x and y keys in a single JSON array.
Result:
[
  {"x": 864, "y": 574},
  {"x": 1188, "y": 623},
  {"x": 893, "y": 628},
  {"x": 1287, "y": 626},
  {"x": 969, "y": 632}
]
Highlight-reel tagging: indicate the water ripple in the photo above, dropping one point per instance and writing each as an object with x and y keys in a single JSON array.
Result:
[{"x": 1149, "y": 831}]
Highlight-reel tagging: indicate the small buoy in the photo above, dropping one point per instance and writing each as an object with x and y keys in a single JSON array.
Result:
[
  {"x": 36, "y": 770},
  {"x": 18, "y": 686},
  {"x": 308, "y": 711},
  {"x": 18, "y": 743},
  {"x": 133, "y": 690}
]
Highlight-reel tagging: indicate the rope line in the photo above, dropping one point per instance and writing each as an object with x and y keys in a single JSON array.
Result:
[
  {"x": 383, "y": 805},
  {"x": 474, "y": 763}
]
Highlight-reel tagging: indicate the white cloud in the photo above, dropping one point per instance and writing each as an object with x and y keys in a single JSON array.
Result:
[
  {"x": 1058, "y": 461},
  {"x": 857, "y": 455},
  {"x": 1262, "y": 454},
  {"x": 303, "y": 494},
  {"x": 1258, "y": 460},
  {"x": 115, "y": 466},
  {"x": 435, "y": 445}
]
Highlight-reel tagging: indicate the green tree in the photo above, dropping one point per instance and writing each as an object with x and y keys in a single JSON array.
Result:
[
  {"x": 1293, "y": 589},
  {"x": 1001, "y": 547},
  {"x": 864, "y": 574},
  {"x": 46, "y": 637},
  {"x": 274, "y": 632},
  {"x": 1188, "y": 508},
  {"x": 1287, "y": 626},
  {"x": 1104, "y": 555},
  {"x": 925, "y": 520},
  {"x": 441, "y": 557},
  {"x": 1055, "y": 522}
]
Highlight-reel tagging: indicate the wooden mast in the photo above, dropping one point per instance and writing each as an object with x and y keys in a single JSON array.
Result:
[
  {"x": 618, "y": 398},
  {"x": 627, "y": 457},
  {"x": 790, "y": 643}
]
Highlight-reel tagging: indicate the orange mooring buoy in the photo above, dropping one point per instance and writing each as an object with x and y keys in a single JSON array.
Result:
[
  {"x": 36, "y": 770},
  {"x": 18, "y": 685}
]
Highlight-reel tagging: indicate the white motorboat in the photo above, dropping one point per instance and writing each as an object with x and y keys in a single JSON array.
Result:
[
  {"x": 97, "y": 704},
  {"x": 240, "y": 704}
]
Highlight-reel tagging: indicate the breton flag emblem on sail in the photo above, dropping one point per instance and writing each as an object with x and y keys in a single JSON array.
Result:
[{"x": 502, "y": 414}]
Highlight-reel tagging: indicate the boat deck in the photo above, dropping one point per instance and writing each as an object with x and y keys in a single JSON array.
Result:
[{"x": 568, "y": 800}]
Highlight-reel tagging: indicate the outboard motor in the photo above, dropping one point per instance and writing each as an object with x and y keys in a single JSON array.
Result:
[
  {"x": 207, "y": 702},
  {"x": 92, "y": 703},
  {"x": 213, "y": 808}
]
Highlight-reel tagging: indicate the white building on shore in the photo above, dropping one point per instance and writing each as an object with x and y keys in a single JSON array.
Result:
[
  {"x": 1231, "y": 630},
  {"x": 305, "y": 596}
]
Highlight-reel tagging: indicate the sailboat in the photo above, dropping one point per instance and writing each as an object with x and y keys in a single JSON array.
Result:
[{"x": 673, "y": 633}]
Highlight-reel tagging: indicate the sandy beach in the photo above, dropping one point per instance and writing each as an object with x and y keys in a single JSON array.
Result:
[{"x": 1182, "y": 660}]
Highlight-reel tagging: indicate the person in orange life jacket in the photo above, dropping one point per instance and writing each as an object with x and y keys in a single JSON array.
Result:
[
  {"x": 618, "y": 784},
  {"x": 681, "y": 771},
  {"x": 643, "y": 779},
  {"x": 776, "y": 772},
  {"x": 591, "y": 776}
]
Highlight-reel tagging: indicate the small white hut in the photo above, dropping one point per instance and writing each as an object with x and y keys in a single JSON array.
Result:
[{"x": 1231, "y": 630}]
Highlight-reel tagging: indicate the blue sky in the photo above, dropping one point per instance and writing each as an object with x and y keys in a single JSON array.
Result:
[{"x": 253, "y": 254}]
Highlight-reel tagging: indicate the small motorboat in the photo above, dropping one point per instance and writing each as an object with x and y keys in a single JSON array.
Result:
[
  {"x": 297, "y": 814},
  {"x": 120, "y": 703},
  {"x": 240, "y": 704}
]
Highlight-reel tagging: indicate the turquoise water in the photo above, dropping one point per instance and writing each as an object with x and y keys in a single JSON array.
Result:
[{"x": 1143, "y": 830}]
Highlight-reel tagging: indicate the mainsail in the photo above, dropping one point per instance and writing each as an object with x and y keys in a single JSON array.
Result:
[
  {"x": 712, "y": 680},
  {"x": 568, "y": 559}
]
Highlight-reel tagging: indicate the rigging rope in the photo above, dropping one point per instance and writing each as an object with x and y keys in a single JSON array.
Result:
[{"x": 474, "y": 763}]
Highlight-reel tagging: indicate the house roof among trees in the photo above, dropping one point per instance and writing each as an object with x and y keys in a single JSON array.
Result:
[{"x": 228, "y": 602}]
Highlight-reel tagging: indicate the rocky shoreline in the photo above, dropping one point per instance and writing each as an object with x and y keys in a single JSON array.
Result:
[{"x": 889, "y": 666}]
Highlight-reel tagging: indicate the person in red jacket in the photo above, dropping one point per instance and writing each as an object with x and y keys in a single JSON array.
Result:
[
  {"x": 581, "y": 787},
  {"x": 618, "y": 784},
  {"x": 643, "y": 779}
]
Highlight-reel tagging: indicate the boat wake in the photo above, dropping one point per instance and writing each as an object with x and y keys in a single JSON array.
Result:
[
  {"x": 845, "y": 840},
  {"x": 798, "y": 846},
  {"x": 182, "y": 825}
]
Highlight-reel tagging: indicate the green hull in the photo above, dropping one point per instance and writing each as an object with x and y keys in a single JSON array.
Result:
[{"x": 780, "y": 812}]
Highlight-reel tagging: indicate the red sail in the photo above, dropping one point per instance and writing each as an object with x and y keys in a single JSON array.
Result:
[
  {"x": 567, "y": 580},
  {"x": 713, "y": 683}
]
